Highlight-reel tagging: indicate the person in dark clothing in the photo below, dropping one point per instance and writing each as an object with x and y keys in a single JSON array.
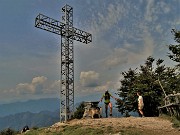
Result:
[
  {"x": 107, "y": 101},
  {"x": 25, "y": 128}
]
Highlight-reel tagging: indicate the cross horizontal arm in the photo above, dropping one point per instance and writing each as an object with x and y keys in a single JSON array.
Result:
[
  {"x": 49, "y": 24},
  {"x": 54, "y": 26},
  {"x": 82, "y": 36}
]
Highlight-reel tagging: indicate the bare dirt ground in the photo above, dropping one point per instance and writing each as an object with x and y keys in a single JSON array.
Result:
[{"x": 156, "y": 125}]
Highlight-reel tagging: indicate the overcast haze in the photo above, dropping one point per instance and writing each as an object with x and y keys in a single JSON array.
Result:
[{"x": 125, "y": 33}]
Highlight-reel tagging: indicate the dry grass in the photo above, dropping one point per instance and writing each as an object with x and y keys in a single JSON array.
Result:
[{"x": 113, "y": 126}]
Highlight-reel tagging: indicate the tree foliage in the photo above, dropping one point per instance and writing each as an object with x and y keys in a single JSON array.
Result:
[
  {"x": 78, "y": 114},
  {"x": 148, "y": 79},
  {"x": 175, "y": 49},
  {"x": 153, "y": 79}
]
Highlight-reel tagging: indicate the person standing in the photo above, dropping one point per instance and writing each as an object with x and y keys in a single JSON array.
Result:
[
  {"x": 140, "y": 103},
  {"x": 107, "y": 102}
]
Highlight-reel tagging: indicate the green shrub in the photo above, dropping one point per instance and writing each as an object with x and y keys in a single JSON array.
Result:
[{"x": 78, "y": 114}]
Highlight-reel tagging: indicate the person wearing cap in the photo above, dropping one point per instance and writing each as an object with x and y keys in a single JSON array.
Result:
[{"x": 107, "y": 101}]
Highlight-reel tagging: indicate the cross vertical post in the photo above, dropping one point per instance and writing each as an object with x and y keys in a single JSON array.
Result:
[
  {"x": 68, "y": 35},
  {"x": 67, "y": 66}
]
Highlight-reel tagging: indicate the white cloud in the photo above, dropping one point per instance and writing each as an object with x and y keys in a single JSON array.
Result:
[
  {"x": 109, "y": 85},
  {"x": 165, "y": 8},
  {"x": 106, "y": 19},
  {"x": 25, "y": 88},
  {"x": 159, "y": 28},
  {"x": 53, "y": 88},
  {"x": 149, "y": 10},
  {"x": 117, "y": 57},
  {"x": 39, "y": 80},
  {"x": 55, "y": 84},
  {"x": 146, "y": 49},
  {"x": 126, "y": 55},
  {"x": 39, "y": 87},
  {"x": 36, "y": 86},
  {"x": 89, "y": 79},
  {"x": 136, "y": 30}
]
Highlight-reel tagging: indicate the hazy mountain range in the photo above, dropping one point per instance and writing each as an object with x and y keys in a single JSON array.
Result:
[
  {"x": 34, "y": 113},
  {"x": 34, "y": 106},
  {"x": 18, "y": 121}
]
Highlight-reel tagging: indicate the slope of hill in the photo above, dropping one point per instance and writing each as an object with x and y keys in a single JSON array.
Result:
[{"x": 111, "y": 126}]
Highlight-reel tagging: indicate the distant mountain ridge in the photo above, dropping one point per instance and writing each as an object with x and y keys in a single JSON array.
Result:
[
  {"x": 34, "y": 106},
  {"x": 18, "y": 121},
  {"x": 41, "y": 119},
  {"x": 34, "y": 113}
]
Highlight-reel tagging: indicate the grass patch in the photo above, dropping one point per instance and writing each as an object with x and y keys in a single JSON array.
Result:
[
  {"x": 38, "y": 131},
  {"x": 174, "y": 120},
  {"x": 110, "y": 129},
  {"x": 69, "y": 130},
  {"x": 80, "y": 130},
  {"x": 137, "y": 131}
]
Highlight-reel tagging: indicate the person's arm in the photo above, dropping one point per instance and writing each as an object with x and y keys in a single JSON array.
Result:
[
  {"x": 102, "y": 98},
  {"x": 113, "y": 97}
]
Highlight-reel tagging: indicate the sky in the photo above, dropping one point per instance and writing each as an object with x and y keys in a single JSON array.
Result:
[{"x": 124, "y": 34}]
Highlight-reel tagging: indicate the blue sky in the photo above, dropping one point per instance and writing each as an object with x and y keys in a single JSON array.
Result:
[{"x": 125, "y": 33}]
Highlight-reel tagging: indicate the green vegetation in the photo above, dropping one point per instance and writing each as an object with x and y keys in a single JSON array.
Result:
[
  {"x": 8, "y": 132},
  {"x": 175, "y": 49},
  {"x": 80, "y": 130},
  {"x": 148, "y": 78},
  {"x": 69, "y": 130},
  {"x": 135, "y": 131},
  {"x": 175, "y": 121},
  {"x": 78, "y": 114}
]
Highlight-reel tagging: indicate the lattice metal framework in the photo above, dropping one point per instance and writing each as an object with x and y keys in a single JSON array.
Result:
[{"x": 68, "y": 34}]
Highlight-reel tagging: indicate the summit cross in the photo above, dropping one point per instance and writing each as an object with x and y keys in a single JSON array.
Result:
[{"x": 68, "y": 34}]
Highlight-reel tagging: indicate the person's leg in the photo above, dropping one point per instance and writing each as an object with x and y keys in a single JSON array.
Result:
[
  {"x": 106, "y": 110},
  {"x": 140, "y": 107},
  {"x": 110, "y": 106},
  {"x": 141, "y": 112}
]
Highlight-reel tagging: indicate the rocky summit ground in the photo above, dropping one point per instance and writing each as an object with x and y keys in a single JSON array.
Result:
[{"x": 118, "y": 126}]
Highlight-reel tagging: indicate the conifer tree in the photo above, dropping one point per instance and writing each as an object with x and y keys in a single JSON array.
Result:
[
  {"x": 153, "y": 79},
  {"x": 175, "y": 49}
]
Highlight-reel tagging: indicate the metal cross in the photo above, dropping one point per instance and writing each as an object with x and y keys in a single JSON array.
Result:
[{"x": 68, "y": 34}]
